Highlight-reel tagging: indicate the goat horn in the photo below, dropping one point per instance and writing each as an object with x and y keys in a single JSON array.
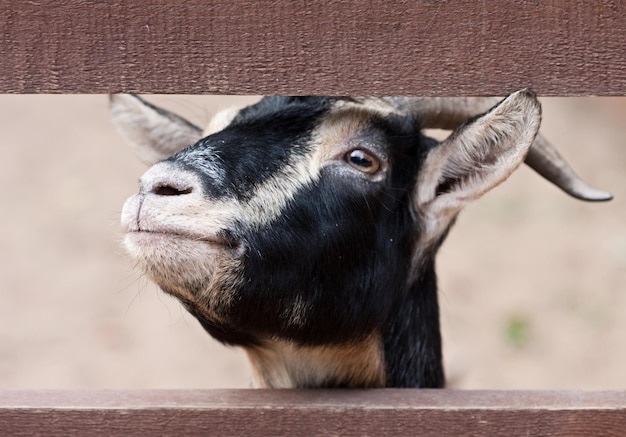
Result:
[{"x": 450, "y": 112}]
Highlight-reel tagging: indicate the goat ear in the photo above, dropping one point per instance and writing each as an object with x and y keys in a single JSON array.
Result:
[
  {"x": 475, "y": 158},
  {"x": 154, "y": 133},
  {"x": 221, "y": 120}
]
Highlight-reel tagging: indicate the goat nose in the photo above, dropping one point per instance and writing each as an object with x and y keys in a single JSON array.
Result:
[
  {"x": 170, "y": 189},
  {"x": 165, "y": 179}
]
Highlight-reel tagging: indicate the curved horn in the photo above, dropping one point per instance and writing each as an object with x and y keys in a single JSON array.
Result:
[
  {"x": 546, "y": 160},
  {"x": 451, "y": 112}
]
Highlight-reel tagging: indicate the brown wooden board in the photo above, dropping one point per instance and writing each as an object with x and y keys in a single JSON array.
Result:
[
  {"x": 355, "y": 47},
  {"x": 397, "y": 412}
]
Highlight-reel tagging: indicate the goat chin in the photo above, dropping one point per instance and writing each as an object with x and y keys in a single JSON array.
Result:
[{"x": 194, "y": 271}]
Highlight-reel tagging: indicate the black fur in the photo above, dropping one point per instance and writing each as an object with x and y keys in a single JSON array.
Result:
[{"x": 342, "y": 247}]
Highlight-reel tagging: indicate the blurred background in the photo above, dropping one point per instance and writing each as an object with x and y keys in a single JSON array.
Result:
[{"x": 532, "y": 282}]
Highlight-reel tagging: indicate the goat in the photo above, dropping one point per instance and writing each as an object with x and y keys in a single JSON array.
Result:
[{"x": 305, "y": 229}]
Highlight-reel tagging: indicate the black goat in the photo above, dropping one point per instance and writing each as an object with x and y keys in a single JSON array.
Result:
[{"x": 305, "y": 229}]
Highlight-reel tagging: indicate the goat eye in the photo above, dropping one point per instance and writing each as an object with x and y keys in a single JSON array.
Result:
[{"x": 363, "y": 161}]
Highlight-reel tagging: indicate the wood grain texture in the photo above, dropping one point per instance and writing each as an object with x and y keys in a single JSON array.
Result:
[
  {"x": 397, "y": 412},
  {"x": 355, "y": 47}
]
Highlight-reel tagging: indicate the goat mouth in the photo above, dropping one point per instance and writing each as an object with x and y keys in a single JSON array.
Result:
[{"x": 211, "y": 240}]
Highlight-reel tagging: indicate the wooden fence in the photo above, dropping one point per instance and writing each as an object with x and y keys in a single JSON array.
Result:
[
  {"x": 349, "y": 47},
  {"x": 394, "y": 412},
  {"x": 365, "y": 47}
]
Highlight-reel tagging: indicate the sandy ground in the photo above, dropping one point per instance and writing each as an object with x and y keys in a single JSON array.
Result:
[{"x": 533, "y": 283}]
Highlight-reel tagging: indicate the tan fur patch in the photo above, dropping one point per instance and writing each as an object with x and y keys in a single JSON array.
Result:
[
  {"x": 282, "y": 364},
  {"x": 340, "y": 128},
  {"x": 270, "y": 198},
  {"x": 346, "y": 127}
]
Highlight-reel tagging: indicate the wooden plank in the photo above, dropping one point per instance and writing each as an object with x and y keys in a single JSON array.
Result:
[
  {"x": 356, "y": 47},
  {"x": 395, "y": 412}
]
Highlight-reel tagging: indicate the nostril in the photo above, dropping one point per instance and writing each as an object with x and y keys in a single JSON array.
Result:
[
  {"x": 167, "y": 179},
  {"x": 170, "y": 190}
]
